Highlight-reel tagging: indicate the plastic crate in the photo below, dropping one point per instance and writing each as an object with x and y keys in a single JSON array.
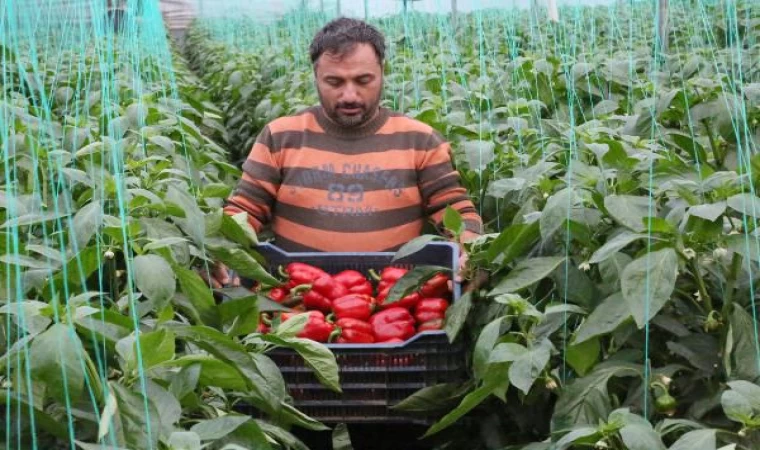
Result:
[{"x": 372, "y": 377}]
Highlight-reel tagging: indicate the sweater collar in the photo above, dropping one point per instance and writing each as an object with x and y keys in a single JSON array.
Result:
[{"x": 365, "y": 130}]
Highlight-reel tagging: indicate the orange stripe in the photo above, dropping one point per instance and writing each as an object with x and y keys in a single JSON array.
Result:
[
  {"x": 396, "y": 124},
  {"x": 307, "y": 157},
  {"x": 303, "y": 122},
  {"x": 382, "y": 200},
  {"x": 345, "y": 242}
]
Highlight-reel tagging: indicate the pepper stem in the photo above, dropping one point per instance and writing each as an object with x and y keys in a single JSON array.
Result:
[
  {"x": 335, "y": 334},
  {"x": 282, "y": 272},
  {"x": 375, "y": 275},
  {"x": 300, "y": 288}
]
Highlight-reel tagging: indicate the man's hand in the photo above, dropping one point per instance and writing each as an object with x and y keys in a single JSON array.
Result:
[
  {"x": 480, "y": 276},
  {"x": 220, "y": 277}
]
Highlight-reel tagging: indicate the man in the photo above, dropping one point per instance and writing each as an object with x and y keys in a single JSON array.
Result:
[{"x": 348, "y": 175}]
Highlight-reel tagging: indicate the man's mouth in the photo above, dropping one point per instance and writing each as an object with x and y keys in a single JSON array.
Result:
[{"x": 349, "y": 111}]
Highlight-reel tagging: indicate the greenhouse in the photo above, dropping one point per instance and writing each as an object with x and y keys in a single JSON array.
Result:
[{"x": 380, "y": 224}]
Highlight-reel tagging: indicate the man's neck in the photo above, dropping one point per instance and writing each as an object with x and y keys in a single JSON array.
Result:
[{"x": 368, "y": 128}]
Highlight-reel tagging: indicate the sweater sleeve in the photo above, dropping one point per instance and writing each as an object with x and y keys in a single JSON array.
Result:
[
  {"x": 440, "y": 185},
  {"x": 256, "y": 191}
]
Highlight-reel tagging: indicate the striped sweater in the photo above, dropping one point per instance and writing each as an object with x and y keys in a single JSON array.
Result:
[{"x": 324, "y": 188}]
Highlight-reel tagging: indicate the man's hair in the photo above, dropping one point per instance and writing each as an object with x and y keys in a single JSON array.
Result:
[{"x": 342, "y": 35}]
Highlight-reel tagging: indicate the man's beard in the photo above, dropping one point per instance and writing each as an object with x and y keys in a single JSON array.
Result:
[{"x": 355, "y": 120}]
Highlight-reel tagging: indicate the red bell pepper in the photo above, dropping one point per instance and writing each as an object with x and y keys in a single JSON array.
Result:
[
  {"x": 321, "y": 293},
  {"x": 355, "y": 282},
  {"x": 300, "y": 273},
  {"x": 438, "y": 286},
  {"x": 354, "y": 331},
  {"x": 278, "y": 294},
  {"x": 388, "y": 277},
  {"x": 408, "y": 302},
  {"x": 314, "y": 301},
  {"x": 392, "y": 323},
  {"x": 430, "y": 308},
  {"x": 317, "y": 328},
  {"x": 435, "y": 324},
  {"x": 354, "y": 306}
]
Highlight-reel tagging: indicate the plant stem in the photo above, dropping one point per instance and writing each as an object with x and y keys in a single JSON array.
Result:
[
  {"x": 736, "y": 264},
  {"x": 701, "y": 284},
  {"x": 713, "y": 145}
]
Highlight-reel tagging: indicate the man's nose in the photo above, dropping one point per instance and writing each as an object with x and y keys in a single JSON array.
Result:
[{"x": 350, "y": 93}]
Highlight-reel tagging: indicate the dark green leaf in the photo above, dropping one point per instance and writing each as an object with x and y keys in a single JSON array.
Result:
[
  {"x": 414, "y": 246},
  {"x": 216, "y": 190},
  {"x": 199, "y": 295},
  {"x": 456, "y": 315},
  {"x": 341, "y": 439},
  {"x": 469, "y": 402},
  {"x": 585, "y": 401},
  {"x": 232, "y": 353},
  {"x": 696, "y": 440},
  {"x": 280, "y": 435},
  {"x": 137, "y": 417},
  {"x": 609, "y": 315},
  {"x": 744, "y": 355},
  {"x": 526, "y": 273},
  {"x": 648, "y": 282},
  {"x": 154, "y": 278},
  {"x": 484, "y": 345},
  {"x": 316, "y": 355},
  {"x": 243, "y": 263},
  {"x": 86, "y": 223},
  {"x": 629, "y": 210},
  {"x": 156, "y": 347},
  {"x": 453, "y": 221},
  {"x": 237, "y": 229},
  {"x": 185, "y": 381},
  {"x": 213, "y": 429},
  {"x": 55, "y": 354},
  {"x": 747, "y": 204},
  {"x": 710, "y": 211},
  {"x": 513, "y": 242},
  {"x": 582, "y": 357},
  {"x": 432, "y": 398},
  {"x": 526, "y": 368},
  {"x": 412, "y": 281},
  {"x": 167, "y": 406}
]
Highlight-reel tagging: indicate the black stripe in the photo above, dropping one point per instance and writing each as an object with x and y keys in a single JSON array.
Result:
[
  {"x": 402, "y": 140},
  {"x": 292, "y": 246},
  {"x": 435, "y": 172},
  {"x": 264, "y": 137},
  {"x": 371, "y": 178},
  {"x": 342, "y": 217},
  {"x": 261, "y": 172},
  {"x": 432, "y": 209},
  {"x": 254, "y": 192},
  {"x": 445, "y": 183}
]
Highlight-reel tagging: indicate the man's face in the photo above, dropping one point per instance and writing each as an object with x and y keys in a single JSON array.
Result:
[{"x": 350, "y": 86}]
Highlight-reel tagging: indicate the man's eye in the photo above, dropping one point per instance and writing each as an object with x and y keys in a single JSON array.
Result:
[
  {"x": 365, "y": 80},
  {"x": 333, "y": 82}
]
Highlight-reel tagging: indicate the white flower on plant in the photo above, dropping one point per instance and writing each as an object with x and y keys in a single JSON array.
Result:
[
  {"x": 601, "y": 444},
  {"x": 689, "y": 253},
  {"x": 584, "y": 266},
  {"x": 698, "y": 296},
  {"x": 720, "y": 253},
  {"x": 546, "y": 195}
]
